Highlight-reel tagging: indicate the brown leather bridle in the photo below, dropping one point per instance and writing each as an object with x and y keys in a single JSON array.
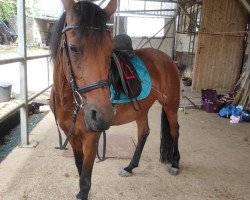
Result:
[
  {"x": 77, "y": 91},
  {"x": 79, "y": 101}
]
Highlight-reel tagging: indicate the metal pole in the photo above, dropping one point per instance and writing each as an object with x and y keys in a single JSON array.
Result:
[
  {"x": 174, "y": 34},
  {"x": 10, "y": 112},
  {"x": 114, "y": 25},
  {"x": 39, "y": 93},
  {"x": 100, "y": 4},
  {"x": 189, "y": 16},
  {"x": 145, "y": 11},
  {"x": 48, "y": 70},
  {"x": 118, "y": 18},
  {"x": 246, "y": 5},
  {"x": 23, "y": 71},
  {"x": 10, "y": 60},
  {"x": 165, "y": 35},
  {"x": 148, "y": 40}
]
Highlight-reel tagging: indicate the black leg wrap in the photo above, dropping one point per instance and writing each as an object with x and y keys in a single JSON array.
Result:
[
  {"x": 166, "y": 147},
  {"x": 137, "y": 155},
  {"x": 170, "y": 153},
  {"x": 85, "y": 184},
  {"x": 176, "y": 154},
  {"x": 174, "y": 169},
  {"x": 79, "y": 161},
  {"x": 129, "y": 169}
]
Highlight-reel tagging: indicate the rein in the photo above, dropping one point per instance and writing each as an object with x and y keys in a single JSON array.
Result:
[{"x": 79, "y": 101}]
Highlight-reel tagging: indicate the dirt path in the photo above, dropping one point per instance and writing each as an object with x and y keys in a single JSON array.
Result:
[{"x": 214, "y": 164}]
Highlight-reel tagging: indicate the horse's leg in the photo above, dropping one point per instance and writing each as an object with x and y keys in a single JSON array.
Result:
[
  {"x": 173, "y": 155},
  {"x": 88, "y": 161},
  {"x": 76, "y": 144},
  {"x": 78, "y": 155},
  {"x": 166, "y": 147},
  {"x": 143, "y": 132}
]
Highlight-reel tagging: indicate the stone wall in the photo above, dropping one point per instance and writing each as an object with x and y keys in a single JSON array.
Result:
[{"x": 38, "y": 31}]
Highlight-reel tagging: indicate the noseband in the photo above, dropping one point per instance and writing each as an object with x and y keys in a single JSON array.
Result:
[{"x": 77, "y": 91}]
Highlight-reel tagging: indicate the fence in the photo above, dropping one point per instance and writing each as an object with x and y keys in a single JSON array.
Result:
[{"x": 22, "y": 60}]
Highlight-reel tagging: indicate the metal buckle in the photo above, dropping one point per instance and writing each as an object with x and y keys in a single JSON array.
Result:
[{"x": 79, "y": 101}]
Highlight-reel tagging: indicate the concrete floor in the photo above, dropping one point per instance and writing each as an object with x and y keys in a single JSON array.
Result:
[{"x": 215, "y": 164}]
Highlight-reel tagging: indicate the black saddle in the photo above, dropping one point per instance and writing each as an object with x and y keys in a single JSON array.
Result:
[
  {"x": 123, "y": 43},
  {"x": 124, "y": 77}
]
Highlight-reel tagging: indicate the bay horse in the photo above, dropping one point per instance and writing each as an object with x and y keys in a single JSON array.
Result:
[{"x": 81, "y": 48}]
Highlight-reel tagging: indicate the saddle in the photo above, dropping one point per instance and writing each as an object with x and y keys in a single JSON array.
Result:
[
  {"x": 123, "y": 76},
  {"x": 123, "y": 43}
]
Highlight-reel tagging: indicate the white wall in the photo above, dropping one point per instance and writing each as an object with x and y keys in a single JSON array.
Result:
[
  {"x": 182, "y": 42},
  {"x": 167, "y": 45}
]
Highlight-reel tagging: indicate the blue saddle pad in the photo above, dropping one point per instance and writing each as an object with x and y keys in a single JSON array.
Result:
[{"x": 144, "y": 77}]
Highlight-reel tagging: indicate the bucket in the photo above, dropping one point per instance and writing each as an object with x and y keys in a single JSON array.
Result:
[{"x": 5, "y": 91}]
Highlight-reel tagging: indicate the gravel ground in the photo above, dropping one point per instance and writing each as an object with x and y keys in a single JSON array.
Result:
[{"x": 10, "y": 140}]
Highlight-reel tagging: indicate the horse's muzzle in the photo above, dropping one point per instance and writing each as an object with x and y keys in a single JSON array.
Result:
[{"x": 98, "y": 120}]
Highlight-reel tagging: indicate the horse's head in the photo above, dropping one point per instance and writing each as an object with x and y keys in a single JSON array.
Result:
[{"x": 86, "y": 48}]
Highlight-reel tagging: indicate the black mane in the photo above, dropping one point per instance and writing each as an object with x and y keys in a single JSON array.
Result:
[{"x": 89, "y": 15}]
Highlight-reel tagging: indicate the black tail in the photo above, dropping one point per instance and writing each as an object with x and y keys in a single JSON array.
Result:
[{"x": 166, "y": 148}]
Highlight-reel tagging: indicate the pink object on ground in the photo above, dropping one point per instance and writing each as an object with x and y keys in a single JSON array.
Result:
[{"x": 234, "y": 120}]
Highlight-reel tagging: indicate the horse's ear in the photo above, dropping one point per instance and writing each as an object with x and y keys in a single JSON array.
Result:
[
  {"x": 111, "y": 7},
  {"x": 68, "y": 5}
]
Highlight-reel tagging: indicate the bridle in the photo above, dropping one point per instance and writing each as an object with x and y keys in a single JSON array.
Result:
[
  {"x": 79, "y": 101},
  {"x": 77, "y": 91}
]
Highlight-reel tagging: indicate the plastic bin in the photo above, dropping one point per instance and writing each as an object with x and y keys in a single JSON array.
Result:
[
  {"x": 5, "y": 91},
  {"x": 210, "y": 103}
]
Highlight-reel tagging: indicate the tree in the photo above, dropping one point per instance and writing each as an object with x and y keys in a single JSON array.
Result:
[{"x": 7, "y": 9}]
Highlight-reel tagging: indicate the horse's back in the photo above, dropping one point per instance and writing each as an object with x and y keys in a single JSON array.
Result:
[
  {"x": 157, "y": 60},
  {"x": 164, "y": 74},
  {"x": 165, "y": 80}
]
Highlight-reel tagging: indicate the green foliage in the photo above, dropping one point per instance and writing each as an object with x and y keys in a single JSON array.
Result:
[
  {"x": 32, "y": 7},
  {"x": 7, "y": 9}
]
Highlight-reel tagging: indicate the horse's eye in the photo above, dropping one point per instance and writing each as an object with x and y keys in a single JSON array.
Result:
[{"x": 74, "y": 49}]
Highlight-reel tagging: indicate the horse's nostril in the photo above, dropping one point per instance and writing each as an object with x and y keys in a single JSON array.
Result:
[
  {"x": 97, "y": 119},
  {"x": 94, "y": 115}
]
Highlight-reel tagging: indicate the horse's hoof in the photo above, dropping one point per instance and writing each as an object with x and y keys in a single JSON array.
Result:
[
  {"x": 173, "y": 171},
  {"x": 124, "y": 173}
]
